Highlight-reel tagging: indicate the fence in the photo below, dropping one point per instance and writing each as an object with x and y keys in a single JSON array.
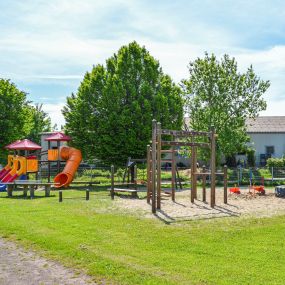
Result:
[
  {"x": 238, "y": 175},
  {"x": 268, "y": 175}
]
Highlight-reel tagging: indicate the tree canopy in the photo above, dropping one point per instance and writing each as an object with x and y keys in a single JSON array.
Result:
[
  {"x": 218, "y": 95},
  {"x": 19, "y": 119},
  {"x": 110, "y": 115}
]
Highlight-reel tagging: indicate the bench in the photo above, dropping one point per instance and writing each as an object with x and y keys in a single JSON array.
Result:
[
  {"x": 28, "y": 184},
  {"x": 134, "y": 192},
  {"x": 90, "y": 183}
]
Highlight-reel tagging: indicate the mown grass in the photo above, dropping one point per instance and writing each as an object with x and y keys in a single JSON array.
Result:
[{"x": 125, "y": 248}]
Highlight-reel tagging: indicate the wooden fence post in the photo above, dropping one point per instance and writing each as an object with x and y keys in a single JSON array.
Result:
[
  {"x": 213, "y": 167},
  {"x": 195, "y": 173},
  {"x": 87, "y": 195},
  {"x": 135, "y": 177},
  {"x": 192, "y": 171},
  {"x": 148, "y": 173},
  {"x": 112, "y": 182},
  {"x": 158, "y": 157},
  {"x": 60, "y": 196},
  {"x": 173, "y": 173},
  {"x": 32, "y": 191},
  {"x": 153, "y": 148},
  {"x": 204, "y": 184},
  {"x": 225, "y": 184}
]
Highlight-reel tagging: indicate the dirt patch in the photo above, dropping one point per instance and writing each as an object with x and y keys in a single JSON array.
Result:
[
  {"x": 20, "y": 267},
  {"x": 245, "y": 204}
]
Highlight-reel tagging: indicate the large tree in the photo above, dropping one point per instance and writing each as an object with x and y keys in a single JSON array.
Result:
[
  {"x": 110, "y": 115},
  {"x": 18, "y": 117},
  {"x": 218, "y": 95},
  {"x": 13, "y": 106}
]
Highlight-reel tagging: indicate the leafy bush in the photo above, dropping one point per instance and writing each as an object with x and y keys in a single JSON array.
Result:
[{"x": 275, "y": 162}]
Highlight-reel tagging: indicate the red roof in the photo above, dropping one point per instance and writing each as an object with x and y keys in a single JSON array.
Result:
[
  {"x": 11, "y": 144},
  {"x": 58, "y": 137},
  {"x": 25, "y": 145}
]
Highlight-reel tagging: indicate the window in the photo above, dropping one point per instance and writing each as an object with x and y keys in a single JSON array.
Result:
[{"x": 270, "y": 149}]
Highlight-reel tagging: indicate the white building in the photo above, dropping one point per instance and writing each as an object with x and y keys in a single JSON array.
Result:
[{"x": 267, "y": 135}]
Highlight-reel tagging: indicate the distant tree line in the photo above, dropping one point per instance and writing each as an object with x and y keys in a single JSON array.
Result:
[{"x": 109, "y": 117}]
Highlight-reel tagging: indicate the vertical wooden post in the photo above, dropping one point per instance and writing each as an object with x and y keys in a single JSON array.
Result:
[
  {"x": 173, "y": 173},
  {"x": 213, "y": 167},
  {"x": 148, "y": 173},
  {"x": 135, "y": 177},
  {"x": 58, "y": 157},
  {"x": 87, "y": 195},
  {"x": 26, "y": 162},
  {"x": 25, "y": 190},
  {"x": 193, "y": 170},
  {"x": 178, "y": 178},
  {"x": 158, "y": 156},
  {"x": 153, "y": 166},
  {"x": 60, "y": 196},
  {"x": 112, "y": 182},
  {"x": 32, "y": 191},
  {"x": 204, "y": 184},
  {"x": 47, "y": 190},
  {"x": 262, "y": 180},
  {"x": 48, "y": 164},
  {"x": 225, "y": 184},
  {"x": 10, "y": 190}
]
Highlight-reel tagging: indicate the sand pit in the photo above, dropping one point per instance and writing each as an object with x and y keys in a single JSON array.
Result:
[{"x": 182, "y": 209}]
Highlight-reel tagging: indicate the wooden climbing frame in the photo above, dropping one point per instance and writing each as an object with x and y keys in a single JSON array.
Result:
[{"x": 154, "y": 160}]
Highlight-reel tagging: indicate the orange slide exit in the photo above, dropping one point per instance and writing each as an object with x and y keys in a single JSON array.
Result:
[{"x": 73, "y": 158}]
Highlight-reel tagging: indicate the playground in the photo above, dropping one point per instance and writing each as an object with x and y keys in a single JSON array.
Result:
[{"x": 142, "y": 225}]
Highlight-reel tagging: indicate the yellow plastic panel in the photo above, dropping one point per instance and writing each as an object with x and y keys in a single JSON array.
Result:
[
  {"x": 52, "y": 154},
  {"x": 32, "y": 165}
]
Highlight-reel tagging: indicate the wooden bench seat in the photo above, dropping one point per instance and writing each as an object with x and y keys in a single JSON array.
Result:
[{"x": 134, "y": 192}]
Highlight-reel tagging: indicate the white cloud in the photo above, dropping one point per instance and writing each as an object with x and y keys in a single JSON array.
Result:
[
  {"x": 54, "y": 110},
  {"x": 59, "y": 40}
]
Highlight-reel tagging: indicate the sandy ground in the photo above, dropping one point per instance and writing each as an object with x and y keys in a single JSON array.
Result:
[
  {"x": 182, "y": 209},
  {"x": 19, "y": 267}
]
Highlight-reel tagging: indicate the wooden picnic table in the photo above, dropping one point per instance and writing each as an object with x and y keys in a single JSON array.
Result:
[{"x": 28, "y": 184}]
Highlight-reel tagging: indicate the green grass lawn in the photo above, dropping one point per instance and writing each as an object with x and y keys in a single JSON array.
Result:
[{"x": 129, "y": 249}]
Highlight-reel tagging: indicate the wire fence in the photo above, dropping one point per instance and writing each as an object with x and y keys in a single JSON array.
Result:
[{"x": 237, "y": 175}]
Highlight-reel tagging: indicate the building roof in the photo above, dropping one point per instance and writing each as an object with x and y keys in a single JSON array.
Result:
[
  {"x": 58, "y": 136},
  {"x": 262, "y": 124},
  {"x": 266, "y": 124},
  {"x": 24, "y": 145}
]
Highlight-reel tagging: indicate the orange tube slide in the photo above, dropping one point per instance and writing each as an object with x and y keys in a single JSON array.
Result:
[{"x": 73, "y": 158}]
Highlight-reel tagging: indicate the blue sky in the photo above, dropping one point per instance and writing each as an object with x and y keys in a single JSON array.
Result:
[{"x": 47, "y": 46}]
